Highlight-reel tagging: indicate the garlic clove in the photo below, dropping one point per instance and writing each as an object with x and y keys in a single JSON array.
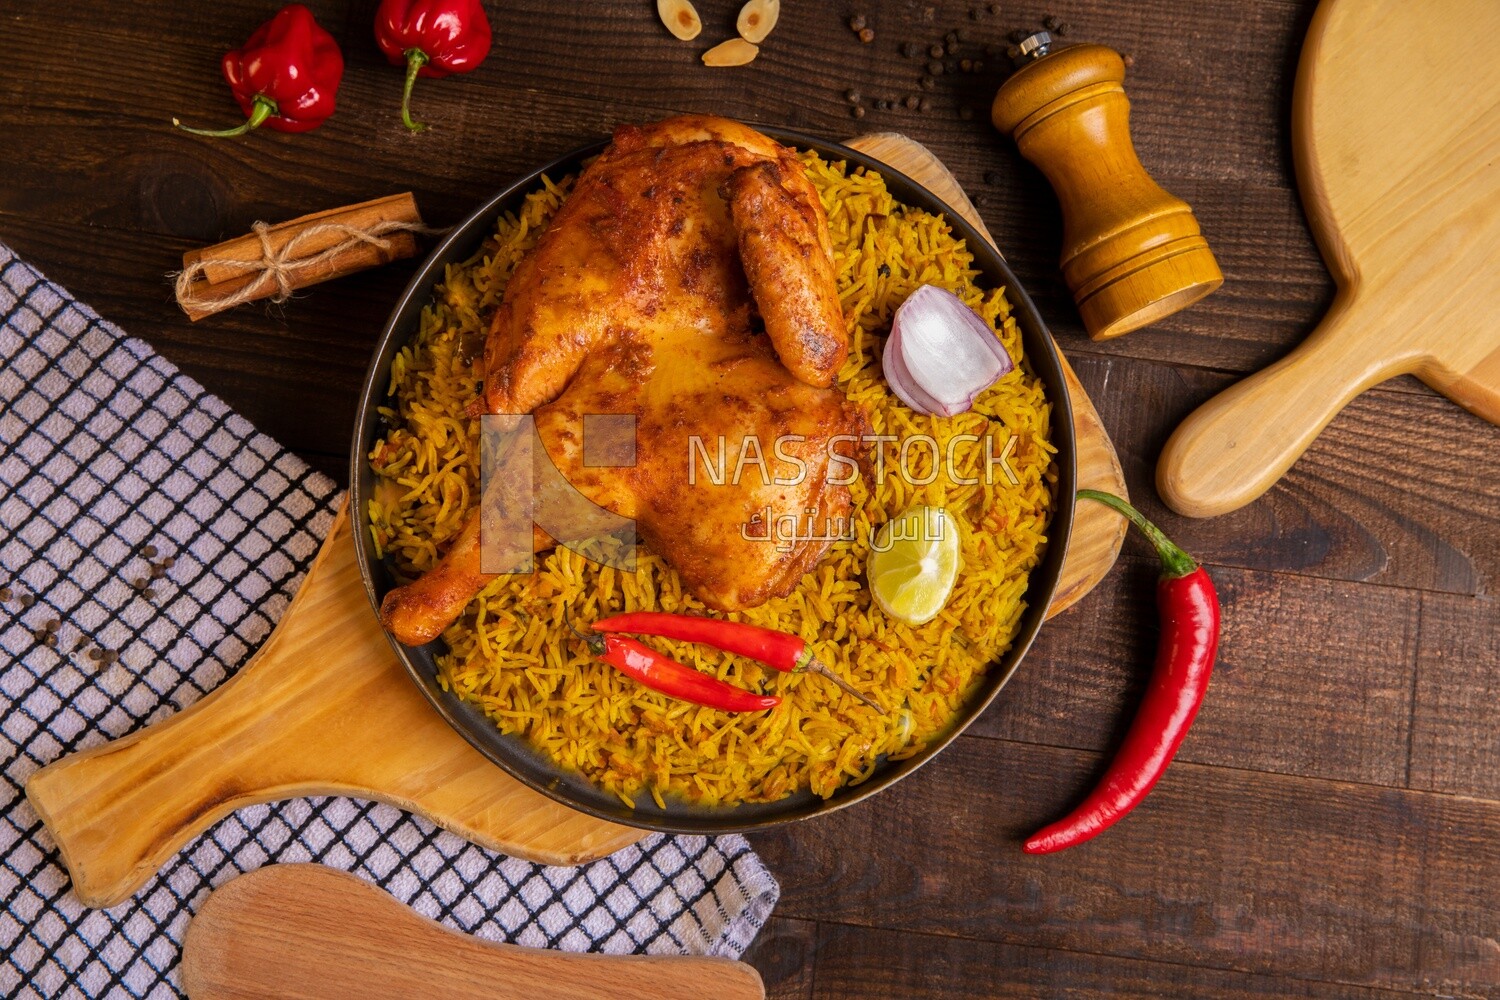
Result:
[
  {"x": 735, "y": 52},
  {"x": 680, "y": 17},
  {"x": 757, "y": 18}
]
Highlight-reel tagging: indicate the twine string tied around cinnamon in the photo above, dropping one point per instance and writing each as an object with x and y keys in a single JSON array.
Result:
[{"x": 280, "y": 266}]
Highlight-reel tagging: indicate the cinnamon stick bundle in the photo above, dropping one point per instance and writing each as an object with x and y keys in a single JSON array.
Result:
[{"x": 277, "y": 260}]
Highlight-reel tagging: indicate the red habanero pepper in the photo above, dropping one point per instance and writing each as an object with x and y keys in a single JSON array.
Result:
[
  {"x": 432, "y": 38},
  {"x": 1189, "y": 610},
  {"x": 676, "y": 680},
  {"x": 787, "y": 653},
  {"x": 285, "y": 77}
]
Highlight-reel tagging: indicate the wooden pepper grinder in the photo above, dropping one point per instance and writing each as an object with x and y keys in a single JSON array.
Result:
[{"x": 1132, "y": 253}]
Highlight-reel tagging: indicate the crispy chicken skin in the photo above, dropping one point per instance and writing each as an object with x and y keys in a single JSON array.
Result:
[{"x": 640, "y": 299}]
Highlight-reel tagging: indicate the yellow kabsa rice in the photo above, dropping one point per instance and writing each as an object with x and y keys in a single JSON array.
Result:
[{"x": 512, "y": 654}]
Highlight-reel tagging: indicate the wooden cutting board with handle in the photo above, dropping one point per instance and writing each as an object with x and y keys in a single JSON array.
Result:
[
  {"x": 1396, "y": 133},
  {"x": 325, "y": 708},
  {"x": 306, "y": 932}
]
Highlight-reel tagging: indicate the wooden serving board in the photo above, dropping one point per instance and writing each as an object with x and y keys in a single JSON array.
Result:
[
  {"x": 306, "y": 932},
  {"x": 325, "y": 708},
  {"x": 1396, "y": 134}
]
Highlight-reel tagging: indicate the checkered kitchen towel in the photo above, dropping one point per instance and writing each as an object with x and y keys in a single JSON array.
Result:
[{"x": 149, "y": 540}]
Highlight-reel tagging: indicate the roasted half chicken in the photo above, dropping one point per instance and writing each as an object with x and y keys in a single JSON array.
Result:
[{"x": 688, "y": 283}]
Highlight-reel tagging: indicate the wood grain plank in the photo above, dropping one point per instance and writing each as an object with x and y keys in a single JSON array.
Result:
[
  {"x": 784, "y": 954},
  {"x": 1391, "y": 493},
  {"x": 136, "y": 171},
  {"x": 1222, "y": 868},
  {"x": 1265, "y": 879},
  {"x": 859, "y": 962},
  {"x": 1337, "y": 707},
  {"x": 1455, "y": 727}
]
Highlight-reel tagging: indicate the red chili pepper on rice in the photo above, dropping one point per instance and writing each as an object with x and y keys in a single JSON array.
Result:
[
  {"x": 778, "y": 650},
  {"x": 662, "y": 673}
]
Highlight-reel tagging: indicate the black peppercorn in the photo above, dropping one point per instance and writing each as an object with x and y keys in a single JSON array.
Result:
[
  {"x": 857, "y": 111},
  {"x": 973, "y": 13},
  {"x": 935, "y": 67},
  {"x": 967, "y": 65},
  {"x": 928, "y": 83},
  {"x": 1051, "y": 22},
  {"x": 937, "y": 52},
  {"x": 853, "y": 96},
  {"x": 912, "y": 101},
  {"x": 909, "y": 49},
  {"x": 991, "y": 177},
  {"x": 27, "y": 600},
  {"x": 994, "y": 8},
  {"x": 1064, "y": 28},
  {"x": 857, "y": 22},
  {"x": 925, "y": 105}
]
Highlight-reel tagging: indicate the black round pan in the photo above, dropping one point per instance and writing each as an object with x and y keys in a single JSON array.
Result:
[{"x": 514, "y": 753}]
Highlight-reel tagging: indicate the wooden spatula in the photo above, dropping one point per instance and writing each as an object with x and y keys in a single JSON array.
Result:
[
  {"x": 305, "y": 931},
  {"x": 1396, "y": 132}
]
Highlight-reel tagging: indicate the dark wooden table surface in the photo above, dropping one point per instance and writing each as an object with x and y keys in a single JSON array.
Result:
[{"x": 1332, "y": 826}]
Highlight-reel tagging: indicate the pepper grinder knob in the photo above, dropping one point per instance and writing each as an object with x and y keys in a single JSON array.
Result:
[{"x": 1132, "y": 253}]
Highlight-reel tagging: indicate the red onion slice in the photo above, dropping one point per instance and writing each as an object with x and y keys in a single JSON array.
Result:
[
  {"x": 902, "y": 384},
  {"x": 941, "y": 355}
]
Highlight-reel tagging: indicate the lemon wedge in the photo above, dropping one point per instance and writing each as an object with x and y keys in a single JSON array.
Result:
[{"x": 914, "y": 562}]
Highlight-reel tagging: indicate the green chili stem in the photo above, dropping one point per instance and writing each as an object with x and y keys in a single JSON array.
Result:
[
  {"x": 260, "y": 109},
  {"x": 415, "y": 60},
  {"x": 1174, "y": 561}
]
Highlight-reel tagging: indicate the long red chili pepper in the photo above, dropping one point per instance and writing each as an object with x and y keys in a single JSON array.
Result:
[
  {"x": 1189, "y": 610},
  {"x": 778, "y": 650},
  {"x": 285, "y": 77},
  {"x": 432, "y": 38},
  {"x": 676, "y": 680}
]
